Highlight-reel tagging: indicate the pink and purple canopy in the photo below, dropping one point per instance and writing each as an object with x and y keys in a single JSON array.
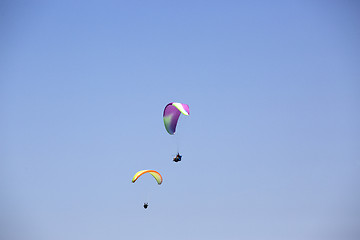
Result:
[{"x": 171, "y": 115}]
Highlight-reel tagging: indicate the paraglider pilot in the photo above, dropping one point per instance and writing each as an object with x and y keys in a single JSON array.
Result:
[
  {"x": 146, "y": 205},
  {"x": 177, "y": 158}
]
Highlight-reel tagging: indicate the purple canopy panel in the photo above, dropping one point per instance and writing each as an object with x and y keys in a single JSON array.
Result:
[{"x": 171, "y": 116}]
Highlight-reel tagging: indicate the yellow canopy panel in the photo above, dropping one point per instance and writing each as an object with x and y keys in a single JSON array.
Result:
[{"x": 154, "y": 173}]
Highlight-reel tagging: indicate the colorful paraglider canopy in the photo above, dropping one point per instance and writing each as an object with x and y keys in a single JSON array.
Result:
[
  {"x": 155, "y": 174},
  {"x": 171, "y": 115}
]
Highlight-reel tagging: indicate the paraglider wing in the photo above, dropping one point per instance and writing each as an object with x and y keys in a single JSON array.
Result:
[
  {"x": 171, "y": 115},
  {"x": 155, "y": 174}
]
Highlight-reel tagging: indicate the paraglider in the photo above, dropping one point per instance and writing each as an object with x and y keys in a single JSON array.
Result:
[
  {"x": 171, "y": 116},
  {"x": 177, "y": 158},
  {"x": 154, "y": 173}
]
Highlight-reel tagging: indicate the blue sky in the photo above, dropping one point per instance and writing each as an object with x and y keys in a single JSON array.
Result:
[{"x": 270, "y": 151}]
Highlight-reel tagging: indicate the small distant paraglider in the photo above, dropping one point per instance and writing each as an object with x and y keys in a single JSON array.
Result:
[
  {"x": 171, "y": 116},
  {"x": 154, "y": 173}
]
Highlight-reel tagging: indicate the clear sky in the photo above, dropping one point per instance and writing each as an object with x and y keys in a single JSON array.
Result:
[{"x": 271, "y": 149}]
